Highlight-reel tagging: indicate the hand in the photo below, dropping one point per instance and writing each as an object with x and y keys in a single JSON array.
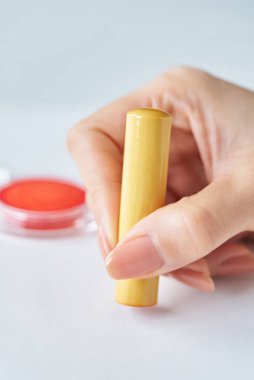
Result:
[{"x": 210, "y": 195}]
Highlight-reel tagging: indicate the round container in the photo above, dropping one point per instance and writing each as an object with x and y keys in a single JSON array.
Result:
[{"x": 41, "y": 207}]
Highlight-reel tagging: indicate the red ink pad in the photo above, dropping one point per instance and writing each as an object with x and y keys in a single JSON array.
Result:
[{"x": 41, "y": 204}]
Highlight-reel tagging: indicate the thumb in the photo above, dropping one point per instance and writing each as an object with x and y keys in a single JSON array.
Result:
[{"x": 183, "y": 232}]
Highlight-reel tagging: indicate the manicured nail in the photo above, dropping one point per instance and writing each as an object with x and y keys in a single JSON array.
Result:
[
  {"x": 133, "y": 258},
  {"x": 195, "y": 279},
  {"x": 237, "y": 265},
  {"x": 103, "y": 243}
]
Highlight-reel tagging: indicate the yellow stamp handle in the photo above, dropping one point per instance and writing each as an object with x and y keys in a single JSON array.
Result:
[{"x": 144, "y": 184}]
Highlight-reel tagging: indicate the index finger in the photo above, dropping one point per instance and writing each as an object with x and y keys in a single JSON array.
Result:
[{"x": 96, "y": 144}]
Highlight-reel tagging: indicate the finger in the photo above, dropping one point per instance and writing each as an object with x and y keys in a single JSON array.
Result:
[
  {"x": 178, "y": 234},
  {"x": 230, "y": 259},
  {"x": 237, "y": 265},
  {"x": 96, "y": 145},
  {"x": 196, "y": 275},
  {"x": 199, "y": 266},
  {"x": 195, "y": 279},
  {"x": 99, "y": 160}
]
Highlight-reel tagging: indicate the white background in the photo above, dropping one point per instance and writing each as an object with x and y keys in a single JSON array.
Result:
[
  {"x": 60, "y": 60},
  {"x": 93, "y": 50}
]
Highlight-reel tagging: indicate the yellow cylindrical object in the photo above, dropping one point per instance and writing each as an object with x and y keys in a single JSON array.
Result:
[{"x": 144, "y": 183}]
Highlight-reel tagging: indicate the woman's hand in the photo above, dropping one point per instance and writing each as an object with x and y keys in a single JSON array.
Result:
[{"x": 210, "y": 196}]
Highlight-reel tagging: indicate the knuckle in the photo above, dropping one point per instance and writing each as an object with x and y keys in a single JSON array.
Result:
[
  {"x": 201, "y": 225},
  {"x": 74, "y": 136},
  {"x": 71, "y": 138}
]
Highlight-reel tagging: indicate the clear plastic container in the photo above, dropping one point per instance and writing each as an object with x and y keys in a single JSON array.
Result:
[{"x": 43, "y": 207}]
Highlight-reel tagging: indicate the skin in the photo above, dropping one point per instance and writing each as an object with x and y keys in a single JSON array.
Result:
[{"x": 210, "y": 202}]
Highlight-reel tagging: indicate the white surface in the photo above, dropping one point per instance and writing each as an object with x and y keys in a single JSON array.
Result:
[{"x": 58, "y": 320}]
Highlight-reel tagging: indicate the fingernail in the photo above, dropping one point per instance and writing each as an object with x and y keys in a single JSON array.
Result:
[
  {"x": 133, "y": 258},
  {"x": 237, "y": 265},
  {"x": 199, "y": 266},
  {"x": 196, "y": 279},
  {"x": 103, "y": 243}
]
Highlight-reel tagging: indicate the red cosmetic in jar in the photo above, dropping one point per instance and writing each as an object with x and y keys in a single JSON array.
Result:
[{"x": 40, "y": 207}]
